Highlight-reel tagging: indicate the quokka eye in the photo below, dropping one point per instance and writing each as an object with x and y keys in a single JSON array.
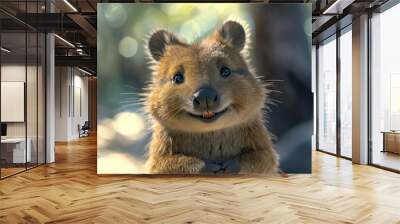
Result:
[
  {"x": 178, "y": 78},
  {"x": 225, "y": 71}
]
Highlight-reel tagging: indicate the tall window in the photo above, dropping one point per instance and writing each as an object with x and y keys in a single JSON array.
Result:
[
  {"x": 346, "y": 93},
  {"x": 327, "y": 96},
  {"x": 385, "y": 87}
]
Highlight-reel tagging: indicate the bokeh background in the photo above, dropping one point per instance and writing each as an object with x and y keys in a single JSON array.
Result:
[{"x": 280, "y": 51}]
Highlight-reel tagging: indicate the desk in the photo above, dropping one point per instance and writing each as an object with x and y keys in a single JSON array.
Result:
[
  {"x": 18, "y": 149},
  {"x": 391, "y": 141}
]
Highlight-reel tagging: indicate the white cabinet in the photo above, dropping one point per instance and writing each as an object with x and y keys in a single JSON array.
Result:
[{"x": 19, "y": 155}]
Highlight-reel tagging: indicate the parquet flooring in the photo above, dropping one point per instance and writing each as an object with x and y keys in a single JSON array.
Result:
[
  {"x": 10, "y": 171},
  {"x": 70, "y": 191}
]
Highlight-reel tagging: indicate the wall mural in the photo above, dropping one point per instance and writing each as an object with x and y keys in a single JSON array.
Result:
[{"x": 210, "y": 89}]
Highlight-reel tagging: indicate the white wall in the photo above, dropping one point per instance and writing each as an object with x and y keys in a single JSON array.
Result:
[
  {"x": 80, "y": 110},
  {"x": 16, "y": 73},
  {"x": 13, "y": 72},
  {"x": 71, "y": 102},
  {"x": 33, "y": 126},
  {"x": 62, "y": 81}
]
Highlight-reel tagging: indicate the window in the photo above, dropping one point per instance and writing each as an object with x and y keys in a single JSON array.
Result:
[
  {"x": 385, "y": 89},
  {"x": 346, "y": 93},
  {"x": 327, "y": 96}
]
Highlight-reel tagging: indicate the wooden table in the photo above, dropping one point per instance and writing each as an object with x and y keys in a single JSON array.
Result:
[{"x": 391, "y": 141}]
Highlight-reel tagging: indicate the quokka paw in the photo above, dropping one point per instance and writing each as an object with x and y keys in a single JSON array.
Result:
[{"x": 216, "y": 167}]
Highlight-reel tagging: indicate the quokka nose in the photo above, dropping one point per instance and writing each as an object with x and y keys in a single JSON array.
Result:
[{"x": 206, "y": 98}]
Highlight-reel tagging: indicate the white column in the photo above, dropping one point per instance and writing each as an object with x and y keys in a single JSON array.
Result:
[
  {"x": 360, "y": 89},
  {"x": 50, "y": 110},
  {"x": 50, "y": 92}
]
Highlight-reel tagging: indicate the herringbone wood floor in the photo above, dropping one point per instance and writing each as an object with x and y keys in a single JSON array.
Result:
[{"x": 69, "y": 191}]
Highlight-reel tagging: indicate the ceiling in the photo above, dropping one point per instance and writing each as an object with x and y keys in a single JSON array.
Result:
[{"x": 75, "y": 22}]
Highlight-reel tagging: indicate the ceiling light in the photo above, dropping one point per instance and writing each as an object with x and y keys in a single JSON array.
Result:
[
  {"x": 80, "y": 51},
  {"x": 337, "y": 7},
  {"x": 65, "y": 41},
  {"x": 328, "y": 10},
  {"x": 5, "y": 50},
  {"x": 84, "y": 71},
  {"x": 70, "y": 5}
]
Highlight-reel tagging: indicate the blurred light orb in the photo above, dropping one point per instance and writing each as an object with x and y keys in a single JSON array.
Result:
[
  {"x": 105, "y": 132},
  {"x": 307, "y": 26},
  {"x": 227, "y": 9},
  {"x": 129, "y": 125},
  {"x": 150, "y": 20},
  {"x": 119, "y": 163},
  {"x": 190, "y": 30},
  {"x": 128, "y": 47},
  {"x": 182, "y": 10},
  {"x": 207, "y": 19},
  {"x": 115, "y": 15}
]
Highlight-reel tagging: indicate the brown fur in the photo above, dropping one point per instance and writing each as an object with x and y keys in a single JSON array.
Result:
[{"x": 180, "y": 143}]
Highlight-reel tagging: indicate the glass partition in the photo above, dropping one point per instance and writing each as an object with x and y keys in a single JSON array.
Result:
[
  {"x": 13, "y": 105},
  {"x": 22, "y": 88}
]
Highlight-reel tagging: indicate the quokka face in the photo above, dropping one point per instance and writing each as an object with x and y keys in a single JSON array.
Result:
[{"x": 204, "y": 86}]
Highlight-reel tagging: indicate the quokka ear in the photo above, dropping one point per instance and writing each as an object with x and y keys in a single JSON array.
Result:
[
  {"x": 233, "y": 34},
  {"x": 158, "y": 42}
]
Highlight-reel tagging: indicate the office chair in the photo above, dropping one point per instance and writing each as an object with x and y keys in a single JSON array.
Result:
[{"x": 84, "y": 130}]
